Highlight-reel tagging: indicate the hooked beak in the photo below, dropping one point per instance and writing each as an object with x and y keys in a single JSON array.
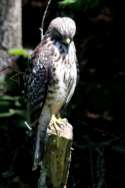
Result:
[{"x": 67, "y": 41}]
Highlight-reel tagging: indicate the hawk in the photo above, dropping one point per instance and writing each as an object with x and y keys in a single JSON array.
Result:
[{"x": 51, "y": 78}]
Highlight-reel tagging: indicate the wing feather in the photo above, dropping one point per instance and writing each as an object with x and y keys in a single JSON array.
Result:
[
  {"x": 36, "y": 86},
  {"x": 72, "y": 83}
]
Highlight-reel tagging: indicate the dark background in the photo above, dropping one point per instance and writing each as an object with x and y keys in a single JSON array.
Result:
[{"x": 97, "y": 108}]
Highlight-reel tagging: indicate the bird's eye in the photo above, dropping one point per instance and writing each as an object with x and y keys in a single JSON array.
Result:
[{"x": 58, "y": 37}]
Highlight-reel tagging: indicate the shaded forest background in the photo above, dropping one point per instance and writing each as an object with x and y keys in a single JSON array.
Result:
[{"x": 97, "y": 108}]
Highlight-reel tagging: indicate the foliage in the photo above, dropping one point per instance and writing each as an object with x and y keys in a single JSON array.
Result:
[
  {"x": 14, "y": 134},
  {"x": 21, "y": 58},
  {"x": 11, "y": 106},
  {"x": 19, "y": 52},
  {"x": 80, "y": 4},
  {"x": 11, "y": 99}
]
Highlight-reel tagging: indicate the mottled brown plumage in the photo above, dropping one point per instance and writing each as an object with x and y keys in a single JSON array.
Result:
[{"x": 51, "y": 77}]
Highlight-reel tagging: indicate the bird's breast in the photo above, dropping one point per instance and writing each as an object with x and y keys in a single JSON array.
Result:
[
  {"x": 56, "y": 94},
  {"x": 57, "y": 90}
]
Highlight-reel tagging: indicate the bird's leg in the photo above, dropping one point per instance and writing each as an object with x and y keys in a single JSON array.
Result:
[{"x": 44, "y": 120}]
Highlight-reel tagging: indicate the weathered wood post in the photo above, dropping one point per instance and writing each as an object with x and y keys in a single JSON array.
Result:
[{"x": 55, "y": 167}]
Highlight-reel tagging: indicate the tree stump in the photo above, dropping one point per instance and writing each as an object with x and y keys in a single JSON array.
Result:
[{"x": 56, "y": 162}]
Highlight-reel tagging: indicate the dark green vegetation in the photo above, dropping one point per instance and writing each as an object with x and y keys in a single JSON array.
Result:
[{"x": 81, "y": 4}]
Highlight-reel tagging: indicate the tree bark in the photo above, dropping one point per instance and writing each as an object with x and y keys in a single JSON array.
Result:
[{"x": 10, "y": 27}]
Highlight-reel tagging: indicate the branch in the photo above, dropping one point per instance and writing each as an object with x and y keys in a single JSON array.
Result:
[{"x": 43, "y": 20}]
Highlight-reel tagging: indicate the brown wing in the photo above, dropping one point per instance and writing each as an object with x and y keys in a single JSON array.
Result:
[{"x": 36, "y": 85}]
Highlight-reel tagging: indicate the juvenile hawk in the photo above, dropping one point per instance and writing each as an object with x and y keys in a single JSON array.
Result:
[{"x": 51, "y": 78}]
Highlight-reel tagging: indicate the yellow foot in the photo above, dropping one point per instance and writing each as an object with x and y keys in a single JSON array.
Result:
[{"x": 58, "y": 123}]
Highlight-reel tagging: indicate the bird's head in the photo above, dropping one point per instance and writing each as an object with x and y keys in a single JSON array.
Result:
[{"x": 62, "y": 29}]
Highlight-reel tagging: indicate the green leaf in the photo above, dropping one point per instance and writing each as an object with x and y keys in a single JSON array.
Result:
[
  {"x": 81, "y": 4},
  {"x": 67, "y": 2},
  {"x": 8, "y": 98},
  {"x": 19, "y": 52},
  {"x": 12, "y": 112}
]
